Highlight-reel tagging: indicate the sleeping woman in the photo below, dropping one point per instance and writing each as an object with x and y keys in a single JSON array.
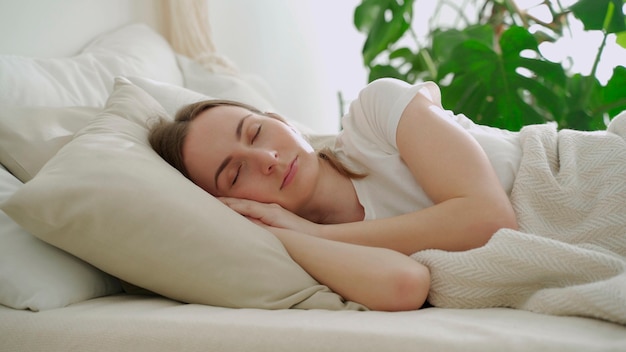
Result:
[{"x": 403, "y": 175}]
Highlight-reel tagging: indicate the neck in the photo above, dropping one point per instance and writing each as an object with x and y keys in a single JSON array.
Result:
[{"x": 335, "y": 200}]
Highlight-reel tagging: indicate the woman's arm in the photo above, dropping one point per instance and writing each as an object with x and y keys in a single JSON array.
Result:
[
  {"x": 378, "y": 278},
  {"x": 470, "y": 204}
]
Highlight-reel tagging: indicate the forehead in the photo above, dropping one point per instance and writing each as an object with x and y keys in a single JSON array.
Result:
[{"x": 215, "y": 121}]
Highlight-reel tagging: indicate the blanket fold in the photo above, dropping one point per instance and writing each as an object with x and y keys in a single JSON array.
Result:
[{"x": 569, "y": 255}]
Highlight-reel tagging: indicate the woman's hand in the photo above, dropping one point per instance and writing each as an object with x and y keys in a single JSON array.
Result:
[{"x": 272, "y": 215}]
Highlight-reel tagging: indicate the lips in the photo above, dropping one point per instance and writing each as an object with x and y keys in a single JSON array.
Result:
[{"x": 292, "y": 169}]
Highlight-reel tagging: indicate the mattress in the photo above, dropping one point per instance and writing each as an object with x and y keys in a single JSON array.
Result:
[{"x": 141, "y": 323}]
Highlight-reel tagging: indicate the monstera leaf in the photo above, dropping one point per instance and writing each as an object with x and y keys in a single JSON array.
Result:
[
  {"x": 614, "y": 93},
  {"x": 385, "y": 21},
  {"x": 493, "y": 72},
  {"x": 590, "y": 104},
  {"x": 416, "y": 66},
  {"x": 501, "y": 87},
  {"x": 604, "y": 15}
]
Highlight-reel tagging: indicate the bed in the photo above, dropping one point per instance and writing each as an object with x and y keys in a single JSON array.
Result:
[{"x": 101, "y": 224}]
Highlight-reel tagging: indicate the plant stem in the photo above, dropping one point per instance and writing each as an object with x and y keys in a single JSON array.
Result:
[
  {"x": 596, "y": 62},
  {"x": 592, "y": 76},
  {"x": 605, "y": 31}
]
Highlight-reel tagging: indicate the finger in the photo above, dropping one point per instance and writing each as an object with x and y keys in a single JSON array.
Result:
[
  {"x": 229, "y": 201},
  {"x": 247, "y": 209},
  {"x": 255, "y": 220},
  {"x": 226, "y": 200},
  {"x": 239, "y": 205}
]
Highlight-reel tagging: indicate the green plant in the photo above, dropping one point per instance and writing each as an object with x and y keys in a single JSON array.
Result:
[{"x": 491, "y": 68}]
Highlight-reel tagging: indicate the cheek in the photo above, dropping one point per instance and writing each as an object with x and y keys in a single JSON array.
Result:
[
  {"x": 253, "y": 191},
  {"x": 284, "y": 137},
  {"x": 302, "y": 143}
]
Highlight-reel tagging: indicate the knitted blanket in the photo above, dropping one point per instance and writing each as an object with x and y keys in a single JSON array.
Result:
[{"x": 569, "y": 255}]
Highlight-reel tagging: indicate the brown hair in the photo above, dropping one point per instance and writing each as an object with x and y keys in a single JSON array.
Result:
[{"x": 166, "y": 136}]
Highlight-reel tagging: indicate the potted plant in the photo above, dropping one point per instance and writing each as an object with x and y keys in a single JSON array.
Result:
[{"x": 490, "y": 67}]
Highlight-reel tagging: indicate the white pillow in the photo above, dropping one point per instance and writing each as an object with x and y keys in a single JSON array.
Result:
[
  {"x": 30, "y": 136},
  {"x": 87, "y": 79},
  {"x": 248, "y": 89},
  {"x": 109, "y": 199},
  {"x": 213, "y": 86},
  {"x": 169, "y": 96},
  {"x": 37, "y": 276}
]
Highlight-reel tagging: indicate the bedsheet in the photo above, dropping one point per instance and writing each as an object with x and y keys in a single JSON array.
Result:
[
  {"x": 143, "y": 323},
  {"x": 569, "y": 255}
]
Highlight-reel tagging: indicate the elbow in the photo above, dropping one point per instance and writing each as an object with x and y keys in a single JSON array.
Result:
[
  {"x": 509, "y": 221},
  {"x": 408, "y": 289},
  {"x": 502, "y": 217},
  {"x": 495, "y": 218}
]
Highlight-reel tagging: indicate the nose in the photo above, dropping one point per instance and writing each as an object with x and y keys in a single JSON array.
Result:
[{"x": 265, "y": 160}]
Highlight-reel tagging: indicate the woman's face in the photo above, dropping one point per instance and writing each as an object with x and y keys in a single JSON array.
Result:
[{"x": 232, "y": 152}]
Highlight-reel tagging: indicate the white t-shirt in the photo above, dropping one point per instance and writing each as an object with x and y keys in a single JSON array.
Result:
[{"x": 368, "y": 143}]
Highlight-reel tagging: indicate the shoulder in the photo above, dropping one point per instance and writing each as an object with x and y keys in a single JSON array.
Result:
[
  {"x": 377, "y": 110},
  {"x": 394, "y": 90},
  {"x": 382, "y": 102},
  {"x": 383, "y": 88}
]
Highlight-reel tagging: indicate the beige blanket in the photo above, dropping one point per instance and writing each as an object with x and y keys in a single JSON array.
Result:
[{"x": 569, "y": 256}]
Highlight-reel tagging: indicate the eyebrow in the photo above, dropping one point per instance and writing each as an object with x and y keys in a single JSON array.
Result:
[{"x": 228, "y": 159}]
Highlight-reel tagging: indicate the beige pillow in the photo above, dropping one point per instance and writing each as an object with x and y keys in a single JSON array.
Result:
[
  {"x": 37, "y": 276},
  {"x": 30, "y": 136},
  {"x": 109, "y": 199}
]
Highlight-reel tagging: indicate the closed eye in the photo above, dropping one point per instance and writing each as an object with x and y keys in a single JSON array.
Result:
[
  {"x": 236, "y": 175},
  {"x": 256, "y": 134}
]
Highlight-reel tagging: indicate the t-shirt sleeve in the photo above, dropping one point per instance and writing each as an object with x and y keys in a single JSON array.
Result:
[{"x": 376, "y": 112}]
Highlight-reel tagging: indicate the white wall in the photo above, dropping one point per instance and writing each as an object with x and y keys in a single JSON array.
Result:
[
  {"x": 63, "y": 27},
  {"x": 307, "y": 50}
]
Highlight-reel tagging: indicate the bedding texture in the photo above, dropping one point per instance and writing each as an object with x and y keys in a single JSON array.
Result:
[
  {"x": 31, "y": 135},
  {"x": 123, "y": 209},
  {"x": 155, "y": 324},
  {"x": 37, "y": 276},
  {"x": 569, "y": 255}
]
